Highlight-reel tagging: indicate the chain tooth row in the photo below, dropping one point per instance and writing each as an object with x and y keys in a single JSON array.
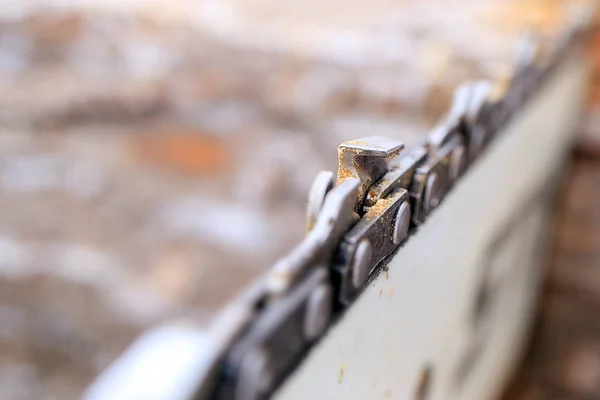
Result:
[{"x": 382, "y": 194}]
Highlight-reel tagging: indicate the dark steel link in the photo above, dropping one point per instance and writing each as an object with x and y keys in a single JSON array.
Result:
[
  {"x": 367, "y": 244},
  {"x": 433, "y": 178},
  {"x": 274, "y": 342}
]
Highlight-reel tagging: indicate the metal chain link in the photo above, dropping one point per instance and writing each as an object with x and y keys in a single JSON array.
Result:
[{"x": 382, "y": 194}]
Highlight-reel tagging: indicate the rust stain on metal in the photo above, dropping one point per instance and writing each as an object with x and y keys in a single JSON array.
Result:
[
  {"x": 372, "y": 194},
  {"x": 382, "y": 205},
  {"x": 344, "y": 173}
]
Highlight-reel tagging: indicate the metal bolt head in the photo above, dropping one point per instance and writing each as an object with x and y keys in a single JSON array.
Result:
[
  {"x": 402, "y": 223},
  {"x": 318, "y": 311},
  {"x": 458, "y": 162},
  {"x": 476, "y": 145},
  {"x": 433, "y": 191},
  {"x": 255, "y": 375},
  {"x": 361, "y": 263}
]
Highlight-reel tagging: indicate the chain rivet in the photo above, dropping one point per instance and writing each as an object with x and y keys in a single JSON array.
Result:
[
  {"x": 361, "y": 263},
  {"x": 458, "y": 162},
  {"x": 318, "y": 311},
  {"x": 402, "y": 223},
  {"x": 433, "y": 192},
  {"x": 255, "y": 376}
]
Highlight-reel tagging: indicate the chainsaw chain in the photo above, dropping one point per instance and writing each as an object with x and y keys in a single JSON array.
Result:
[{"x": 382, "y": 194}]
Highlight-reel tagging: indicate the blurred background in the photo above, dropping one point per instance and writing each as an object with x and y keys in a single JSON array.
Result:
[{"x": 155, "y": 157}]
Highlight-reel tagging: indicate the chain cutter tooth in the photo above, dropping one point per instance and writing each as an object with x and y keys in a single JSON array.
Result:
[
  {"x": 366, "y": 159},
  {"x": 385, "y": 224}
]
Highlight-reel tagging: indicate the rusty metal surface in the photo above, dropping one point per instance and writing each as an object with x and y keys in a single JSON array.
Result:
[{"x": 563, "y": 361}]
